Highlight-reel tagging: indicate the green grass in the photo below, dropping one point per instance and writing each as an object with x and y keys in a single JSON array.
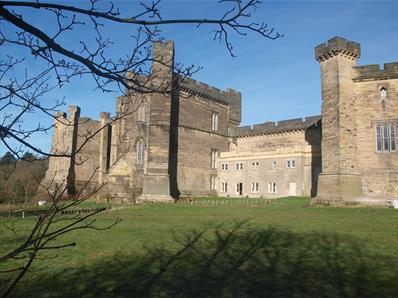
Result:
[{"x": 325, "y": 243}]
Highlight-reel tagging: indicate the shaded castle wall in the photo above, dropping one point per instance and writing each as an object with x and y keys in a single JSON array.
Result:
[
  {"x": 177, "y": 126},
  {"x": 230, "y": 97},
  {"x": 87, "y": 155},
  {"x": 156, "y": 184},
  {"x": 196, "y": 140},
  {"x": 124, "y": 177},
  {"x": 313, "y": 136}
]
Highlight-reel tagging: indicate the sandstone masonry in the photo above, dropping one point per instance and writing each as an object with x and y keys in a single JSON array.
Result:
[{"x": 188, "y": 142}]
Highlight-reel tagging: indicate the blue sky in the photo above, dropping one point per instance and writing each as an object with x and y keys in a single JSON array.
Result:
[{"x": 278, "y": 79}]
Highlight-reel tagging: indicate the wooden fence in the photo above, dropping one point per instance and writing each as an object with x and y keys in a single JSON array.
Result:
[{"x": 227, "y": 202}]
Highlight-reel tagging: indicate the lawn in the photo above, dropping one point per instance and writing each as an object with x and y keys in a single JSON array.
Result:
[{"x": 231, "y": 248}]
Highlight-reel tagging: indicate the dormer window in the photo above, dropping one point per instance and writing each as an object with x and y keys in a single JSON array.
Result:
[{"x": 383, "y": 93}]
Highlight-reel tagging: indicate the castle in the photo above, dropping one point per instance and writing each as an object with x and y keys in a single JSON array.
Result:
[{"x": 188, "y": 142}]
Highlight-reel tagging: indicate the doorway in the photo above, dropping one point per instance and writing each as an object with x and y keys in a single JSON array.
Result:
[{"x": 292, "y": 189}]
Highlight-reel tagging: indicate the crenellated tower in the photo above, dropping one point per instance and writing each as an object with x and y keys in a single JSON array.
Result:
[
  {"x": 61, "y": 169},
  {"x": 340, "y": 179}
]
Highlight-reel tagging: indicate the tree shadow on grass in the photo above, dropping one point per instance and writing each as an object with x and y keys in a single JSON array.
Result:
[{"x": 232, "y": 262}]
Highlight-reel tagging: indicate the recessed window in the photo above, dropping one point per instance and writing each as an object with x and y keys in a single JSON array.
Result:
[
  {"x": 224, "y": 187},
  {"x": 290, "y": 163},
  {"x": 273, "y": 164},
  {"x": 212, "y": 182},
  {"x": 239, "y": 188},
  {"x": 255, "y": 165},
  {"x": 272, "y": 187},
  {"x": 214, "y": 121},
  {"x": 386, "y": 138},
  {"x": 239, "y": 166},
  {"x": 383, "y": 93},
  {"x": 140, "y": 151},
  {"x": 142, "y": 111},
  {"x": 213, "y": 163},
  {"x": 254, "y": 187},
  {"x": 224, "y": 166}
]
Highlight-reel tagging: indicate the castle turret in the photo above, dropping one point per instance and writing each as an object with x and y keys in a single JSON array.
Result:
[
  {"x": 61, "y": 169},
  {"x": 156, "y": 186},
  {"x": 340, "y": 180}
]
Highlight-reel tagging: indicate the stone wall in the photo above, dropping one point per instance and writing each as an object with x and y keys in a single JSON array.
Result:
[
  {"x": 264, "y": 159},
  {"x": 60, "y": 173},
  {"x": 124, "y": 177},
  {"x": 87, "y": 156},
  {"x": 195, "y": 112},
  {"x": 196, "y": 139},
  {"x": 352, "y": 169},
  {"x": 340, "y": 179},
  {"x": 379, "y": 169},
  {"x": 230, "y": 97},
  {"x": 156, "y": 183},
  {"x": 175, "y": 128}
]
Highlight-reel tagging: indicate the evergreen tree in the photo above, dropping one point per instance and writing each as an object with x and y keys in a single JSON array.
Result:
[
  {"x": 29, "y": 156},
  {"x": 8, "y": 158}
]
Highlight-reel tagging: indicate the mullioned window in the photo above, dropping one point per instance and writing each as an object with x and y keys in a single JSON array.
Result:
[{"x": 386, "y": 138}]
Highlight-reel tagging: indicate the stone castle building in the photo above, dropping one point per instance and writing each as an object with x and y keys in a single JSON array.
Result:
[{"x": 188, "y": 142}]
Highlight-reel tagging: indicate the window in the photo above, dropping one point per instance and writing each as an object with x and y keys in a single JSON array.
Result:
[
  {"x": 214, "y": 154},
  {"x": 239, "y": 166},
  {"x": 254, "y": 187},
  {"x": 273, "y": 164},
  {"x": 255, "y": 165},
  {"x": 212, "y": 182},
  {"x": 142, "y": 111},
  {"x": 386, "y": 137},
  {"x": 224, "y": 166},
  {"x": 383, "y": 93},
  {"x": 272, "y": 187},
  {"x": 239, "y": 188},
  {"x": 290, "y": 163},
  {"x": 140, "y": 148},
  {"x": 214, "y": 121},
  {"x": 224, "y": 187}
]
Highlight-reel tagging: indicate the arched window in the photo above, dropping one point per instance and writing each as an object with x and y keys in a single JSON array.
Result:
[
  {"x": 140, "y": 151},
  {"x": 383, "y": 93}
]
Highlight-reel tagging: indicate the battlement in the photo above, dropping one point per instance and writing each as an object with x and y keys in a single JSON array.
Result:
[
  {"x": 66, "y": 118},
  {"x": 337, "y": 46},
  {"x": 207, "y": 91},
  {"x": 105, "y": 115},
  {"x": 230, "y": 97},
  {"x": 84, "y": 120},
  {"x": 161, "y": 46},
  {"x": 374, "y": 72},
  {"x": 59, "y": 116},
  {"x": 270, "y": 127}
]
